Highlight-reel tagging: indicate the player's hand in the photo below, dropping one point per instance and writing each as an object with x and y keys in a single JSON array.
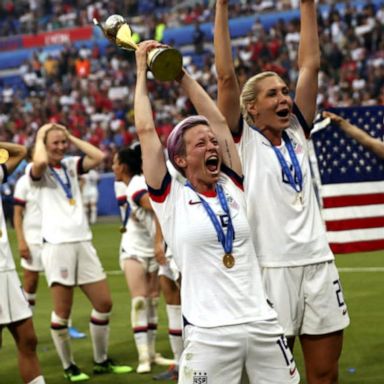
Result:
[
  {"x": 335, "y": 118},
  {"x": 142, "y": 51},
  {"x": 24, "y": 251},
  {"x": 159, "y": 253}
]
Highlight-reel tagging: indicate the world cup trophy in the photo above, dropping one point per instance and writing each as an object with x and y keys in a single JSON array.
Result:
[{"x": 164, "y": 62}]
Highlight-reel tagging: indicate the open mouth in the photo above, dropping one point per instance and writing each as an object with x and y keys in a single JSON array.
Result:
[
  {"x": 212, "y": 163},
  {"x": 283, "y": 112}
]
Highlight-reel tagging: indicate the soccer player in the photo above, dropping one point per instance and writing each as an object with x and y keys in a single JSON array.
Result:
[
  {"x": 137, "y": 254},
  {"x": 68, "y": 256},
  {"x": 299, "y": 273},
  {"x": 371, "y": 143},
  {"x": 228, "y": 324},
  {"x": 90, "y": 194},
  {"x": 15, "y": 313},
  {"x": 27, "y": 222}
]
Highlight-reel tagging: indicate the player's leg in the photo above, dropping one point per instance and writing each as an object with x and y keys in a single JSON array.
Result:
[
  {"x": 26, "y": 342},
  {"x": 135, "y": 275},
  {"x": 324, "y": 319},
  {"x": 30, "y": 283},
  {"x": 321, "y": 357}
]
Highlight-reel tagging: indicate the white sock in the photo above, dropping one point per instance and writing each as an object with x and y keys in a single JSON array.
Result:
[
  {"x": 38, "y": 380},
  {"x": 60, "y": 337},
  {"x": 31, "y": 297},
  {"x": 99, "y": 330},
  {"x": 93, "y": 214},
  {"x": 152, "y": 324},
  {"x": 139, "y": 322},
  {"x": 175, "y": 330}
]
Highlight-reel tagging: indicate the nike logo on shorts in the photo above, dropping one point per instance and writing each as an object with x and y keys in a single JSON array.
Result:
[{"x": 292, "y": 371}]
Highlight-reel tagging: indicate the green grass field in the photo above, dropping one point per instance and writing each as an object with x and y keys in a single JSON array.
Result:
[{"x": 362, "y": 360}]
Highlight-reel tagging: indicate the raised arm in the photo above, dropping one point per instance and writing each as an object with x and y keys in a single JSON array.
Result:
[
  {"x": 93, "y": 155},
  {"x": 154, "y": 166},
  {"x": 228, "y": 90},
  {"x": 16, "y": 154},
  {"x": 308, "y": 61},
  {"x": 371, "y": 143},
  {"x": 40, "y": 155},
  {"x": 205, "y": 106}
]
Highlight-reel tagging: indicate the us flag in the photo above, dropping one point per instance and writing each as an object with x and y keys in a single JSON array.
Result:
[{"x": 350, "y": 182}]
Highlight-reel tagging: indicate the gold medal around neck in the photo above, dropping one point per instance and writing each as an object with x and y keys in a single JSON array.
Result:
[
  {"x": 228, "y": 260},
  {"x": 123, "y": 229},
  {"x": 4, "y": 156},
  {"x": 72, "y": 201}
]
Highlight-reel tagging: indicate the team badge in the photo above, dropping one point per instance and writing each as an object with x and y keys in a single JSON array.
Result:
[
  {"x": 200, "y": 378},
  {"x": 64, "y": 273},
  {"x": 71, "y": 173}
]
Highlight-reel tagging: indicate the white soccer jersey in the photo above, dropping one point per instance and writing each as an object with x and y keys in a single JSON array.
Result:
[
  {"x": 89, "y": 189},
  {"x": 27, "y": 196},
  {"x": 285, "y": 232},
  {"x": 212, "y": 294},
  {"x": 62, "y": 222},
  {"x": 139, "y": 238},
  {"x": 6, "y": 259}
]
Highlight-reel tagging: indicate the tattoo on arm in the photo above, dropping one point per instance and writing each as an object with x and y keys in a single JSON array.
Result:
[{"x": 228, "y": 153}]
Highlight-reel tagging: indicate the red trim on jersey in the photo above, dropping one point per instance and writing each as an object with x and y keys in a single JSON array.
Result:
[
  {"x": 236, "y": 179},
  {"x": 210, "y": 193},
  {"x": 175, "y": 332},
  {"x": 121, "y": 200},
  {"x": 18, "y": 201},
  {"x": 136, "y": 197},
  {"x": 159, "y": 195}
]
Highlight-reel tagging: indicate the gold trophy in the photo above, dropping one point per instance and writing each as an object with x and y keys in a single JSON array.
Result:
[{"x": 165, "y": 63}]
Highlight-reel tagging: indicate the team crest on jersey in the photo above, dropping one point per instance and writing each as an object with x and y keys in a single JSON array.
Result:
[
  {"x": 64, "y": 273},
  {"x": 200, "y": 378},
  {"x": 232, "y": 202},
  {"x": 71, "y": 173}
]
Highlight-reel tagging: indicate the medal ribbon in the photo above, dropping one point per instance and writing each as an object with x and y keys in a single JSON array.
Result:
[
  {"x": 226, "y": 240},
  {"x": 66, "y": 186},
  {"x": 297, "y": 186}
]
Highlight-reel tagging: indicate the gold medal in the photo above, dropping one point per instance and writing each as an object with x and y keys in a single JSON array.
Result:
[
  {"x": 72, "y": 201},
  {"x": 123, "y": 229},
  {"x": 4, "y": 155},
  {"x": 228, "y": 260}
]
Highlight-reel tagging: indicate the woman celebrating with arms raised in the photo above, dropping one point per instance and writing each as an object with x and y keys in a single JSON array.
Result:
[{"x": 228, "y": 323}]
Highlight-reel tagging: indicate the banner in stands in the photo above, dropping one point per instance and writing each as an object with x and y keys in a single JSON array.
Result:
[
  {"x": 57, "y": 37},
  {"x": 11, "y": 43}
]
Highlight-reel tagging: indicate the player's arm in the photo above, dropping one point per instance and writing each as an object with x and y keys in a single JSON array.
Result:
[
  {"x": 205, "y": 106},
  {"x": 16, "y": 154},
  {"x": 154, "y": 166},
  {"x": 93, "y": 155},
  {"x": 159, "y": 243},
  {"x": 308, "y": 61},
  {"x": 228, "y": 90},
  {"x": 18, "y": 216},
  {"x": 371, "y": 143},
  {"x": 40, "y": 155}
]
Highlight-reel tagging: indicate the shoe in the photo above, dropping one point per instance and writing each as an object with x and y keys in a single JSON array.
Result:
[
  {"x": 172, "y": 373},
  {"x": 160, "y": 360},
  {"x": 73, "y": 374},
  {"x": 144, "y": 366},
  {"x": 108, "y": 366},
  {"x": 75, "y": 334}
]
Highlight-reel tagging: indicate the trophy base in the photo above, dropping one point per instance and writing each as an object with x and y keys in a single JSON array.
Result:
[{"x": 165, "y": 63}]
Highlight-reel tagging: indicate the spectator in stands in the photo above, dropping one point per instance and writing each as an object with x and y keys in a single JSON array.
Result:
[
  {"x": 295, "y": 258},
  {"x": 203, "y": 216},
  {"x": 15, "y": 312},
  {"x": 66, "y": 232},
  {"x": 373, "y": 144}
]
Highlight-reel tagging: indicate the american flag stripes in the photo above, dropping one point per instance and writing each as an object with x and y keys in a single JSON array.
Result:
[{"x": 351, "y": 182}]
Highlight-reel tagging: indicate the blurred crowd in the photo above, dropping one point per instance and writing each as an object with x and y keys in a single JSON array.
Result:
[{"x": 91, "y": 91}]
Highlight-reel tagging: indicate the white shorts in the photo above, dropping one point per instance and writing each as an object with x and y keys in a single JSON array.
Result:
[
  {"x": 149, "y": 263},
  {"x": 170, "y": 270},
  {"x": 34, "y": 264},
  {"x": 218, "y": 355},
  {"x": 308, "y": 300},
  {"x": 71, "y": 264},
  {"x": 90, "y": 199},
  {"x": 13, "y": 304}
]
